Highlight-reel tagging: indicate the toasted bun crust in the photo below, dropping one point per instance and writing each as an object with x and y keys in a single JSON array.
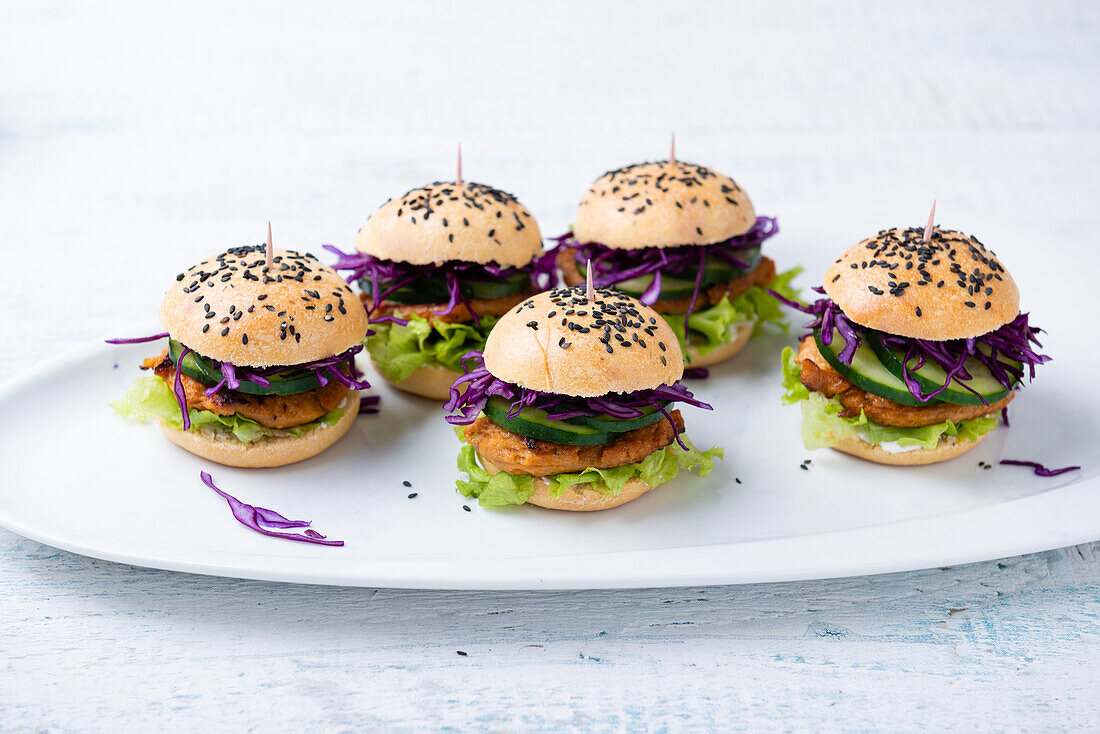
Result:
[
  {"x": 662, "y": 205},
  {"x": 579, "y": 498},
  {"x": 266, "y": 452},
  {"x": 229, "y": 309},
  {"x": 430, "y": 381},
  {"x": 741, "y": 332},
  {"x": 449, "y": 221},
  {"x": 537, "y": 345},
  {"x": 945, "y": 450},
  {"x": 956, "y": 289}
]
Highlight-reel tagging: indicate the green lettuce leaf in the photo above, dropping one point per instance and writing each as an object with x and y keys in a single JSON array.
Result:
[
  {"x": 823, "y": 426},
  {"x": 503, "y": 488},
  {"x": 491, "y": 490},
  {"x": 709, "y": 328},
  {"x": 794, "y": 390},
  {"x": 149, "y": 397},
  {"x": 398, "y": 351}
]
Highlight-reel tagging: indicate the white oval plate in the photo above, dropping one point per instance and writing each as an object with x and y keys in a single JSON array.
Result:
[{"x": 79, "y": 478}]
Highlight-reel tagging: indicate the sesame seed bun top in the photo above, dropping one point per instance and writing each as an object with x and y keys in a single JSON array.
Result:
[
  {"x": 558, "y": 342},
  {"x": 445, "y": 221},
  {"x": 951, "y": 287},
  {"x": 662, "y": 205},
  {"x": 229, "y": 308}
]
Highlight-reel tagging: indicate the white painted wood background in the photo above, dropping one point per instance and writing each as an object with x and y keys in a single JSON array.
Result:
[{"x": 135, "y": 138}]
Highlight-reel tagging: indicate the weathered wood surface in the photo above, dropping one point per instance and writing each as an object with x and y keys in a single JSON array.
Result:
[{"x": 1003, "y": 645}]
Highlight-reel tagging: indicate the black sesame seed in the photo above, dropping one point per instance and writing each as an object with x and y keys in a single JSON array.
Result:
[{"x": 225, "y": 331}]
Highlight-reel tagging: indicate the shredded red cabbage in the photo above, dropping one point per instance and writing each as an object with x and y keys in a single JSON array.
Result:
[
  {"x": 368, "y": 405},
  {"x": 325, "y": 369},
  {"x": 177, "y": 390},
  {"x": 1000, "y": 348},
  {"x": 1040, "y": 470},
  {"x": 481, "y": 385},
  {"x": 262, "y": 520},
  {"x": 137, "y": 339},
  {"x": 696, "y": 373},
  {"x": 827, "y": 317},
  {"x": 611, "y": 266},
  {"x": 387, "y": 276}
]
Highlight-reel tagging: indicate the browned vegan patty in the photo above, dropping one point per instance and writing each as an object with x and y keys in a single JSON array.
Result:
[
  {"x": 819, "y": 376},
  {"x": 273, "y": 411},
  {"x": 522, "y": 455}
]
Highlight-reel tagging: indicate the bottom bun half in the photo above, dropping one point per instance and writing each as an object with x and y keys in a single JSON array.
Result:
[
  {"x": 740, "y": 332},
  {"x": 430, "y": 381},
  {"x": 944, "y": 451},
  {"x": 577, "y": 498},
  {"x": 267, "y": 452}
]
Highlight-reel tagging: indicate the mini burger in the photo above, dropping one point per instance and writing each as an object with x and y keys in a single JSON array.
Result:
[
  {"x": 437, "y": 268},
  {"x": 259, "y": 367},
  {"x": 571, "y": 405},
  {"x": 684, "y": 240},
  {"x": 915, "y": 349}
]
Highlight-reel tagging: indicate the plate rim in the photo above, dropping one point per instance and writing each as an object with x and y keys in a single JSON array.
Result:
[{"x": 1061, "y": 516}]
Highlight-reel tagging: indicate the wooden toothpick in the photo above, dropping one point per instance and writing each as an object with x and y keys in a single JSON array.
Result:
[
  {"x": 928, "y": 227},
  {"x": 672, "y": 152},
  {"x": 270, "y": 249},
  {"x": 590, "y": 292},
  {"x": 458, "y": 175}
]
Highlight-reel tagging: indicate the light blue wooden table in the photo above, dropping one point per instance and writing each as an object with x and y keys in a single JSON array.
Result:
[{"x": 146, "y": 136}]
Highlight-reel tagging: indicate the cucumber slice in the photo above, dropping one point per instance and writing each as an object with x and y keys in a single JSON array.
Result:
[
  {"x": 650, "y": 415},
  {"x": 670, "y": 287},
  {"x": 866, "y": 372},
  {"x": 193, "y": 365},
  {"x": 533, "y": 423},
  {"x": 422, "y": 291},
  {"x": 430, "y": 290},
  {"x": 931, "y": 377},
  {"x": 515, "y": 283},
  {"x": 678, "y": 286},
  {"x": 199, "y": 368}
]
